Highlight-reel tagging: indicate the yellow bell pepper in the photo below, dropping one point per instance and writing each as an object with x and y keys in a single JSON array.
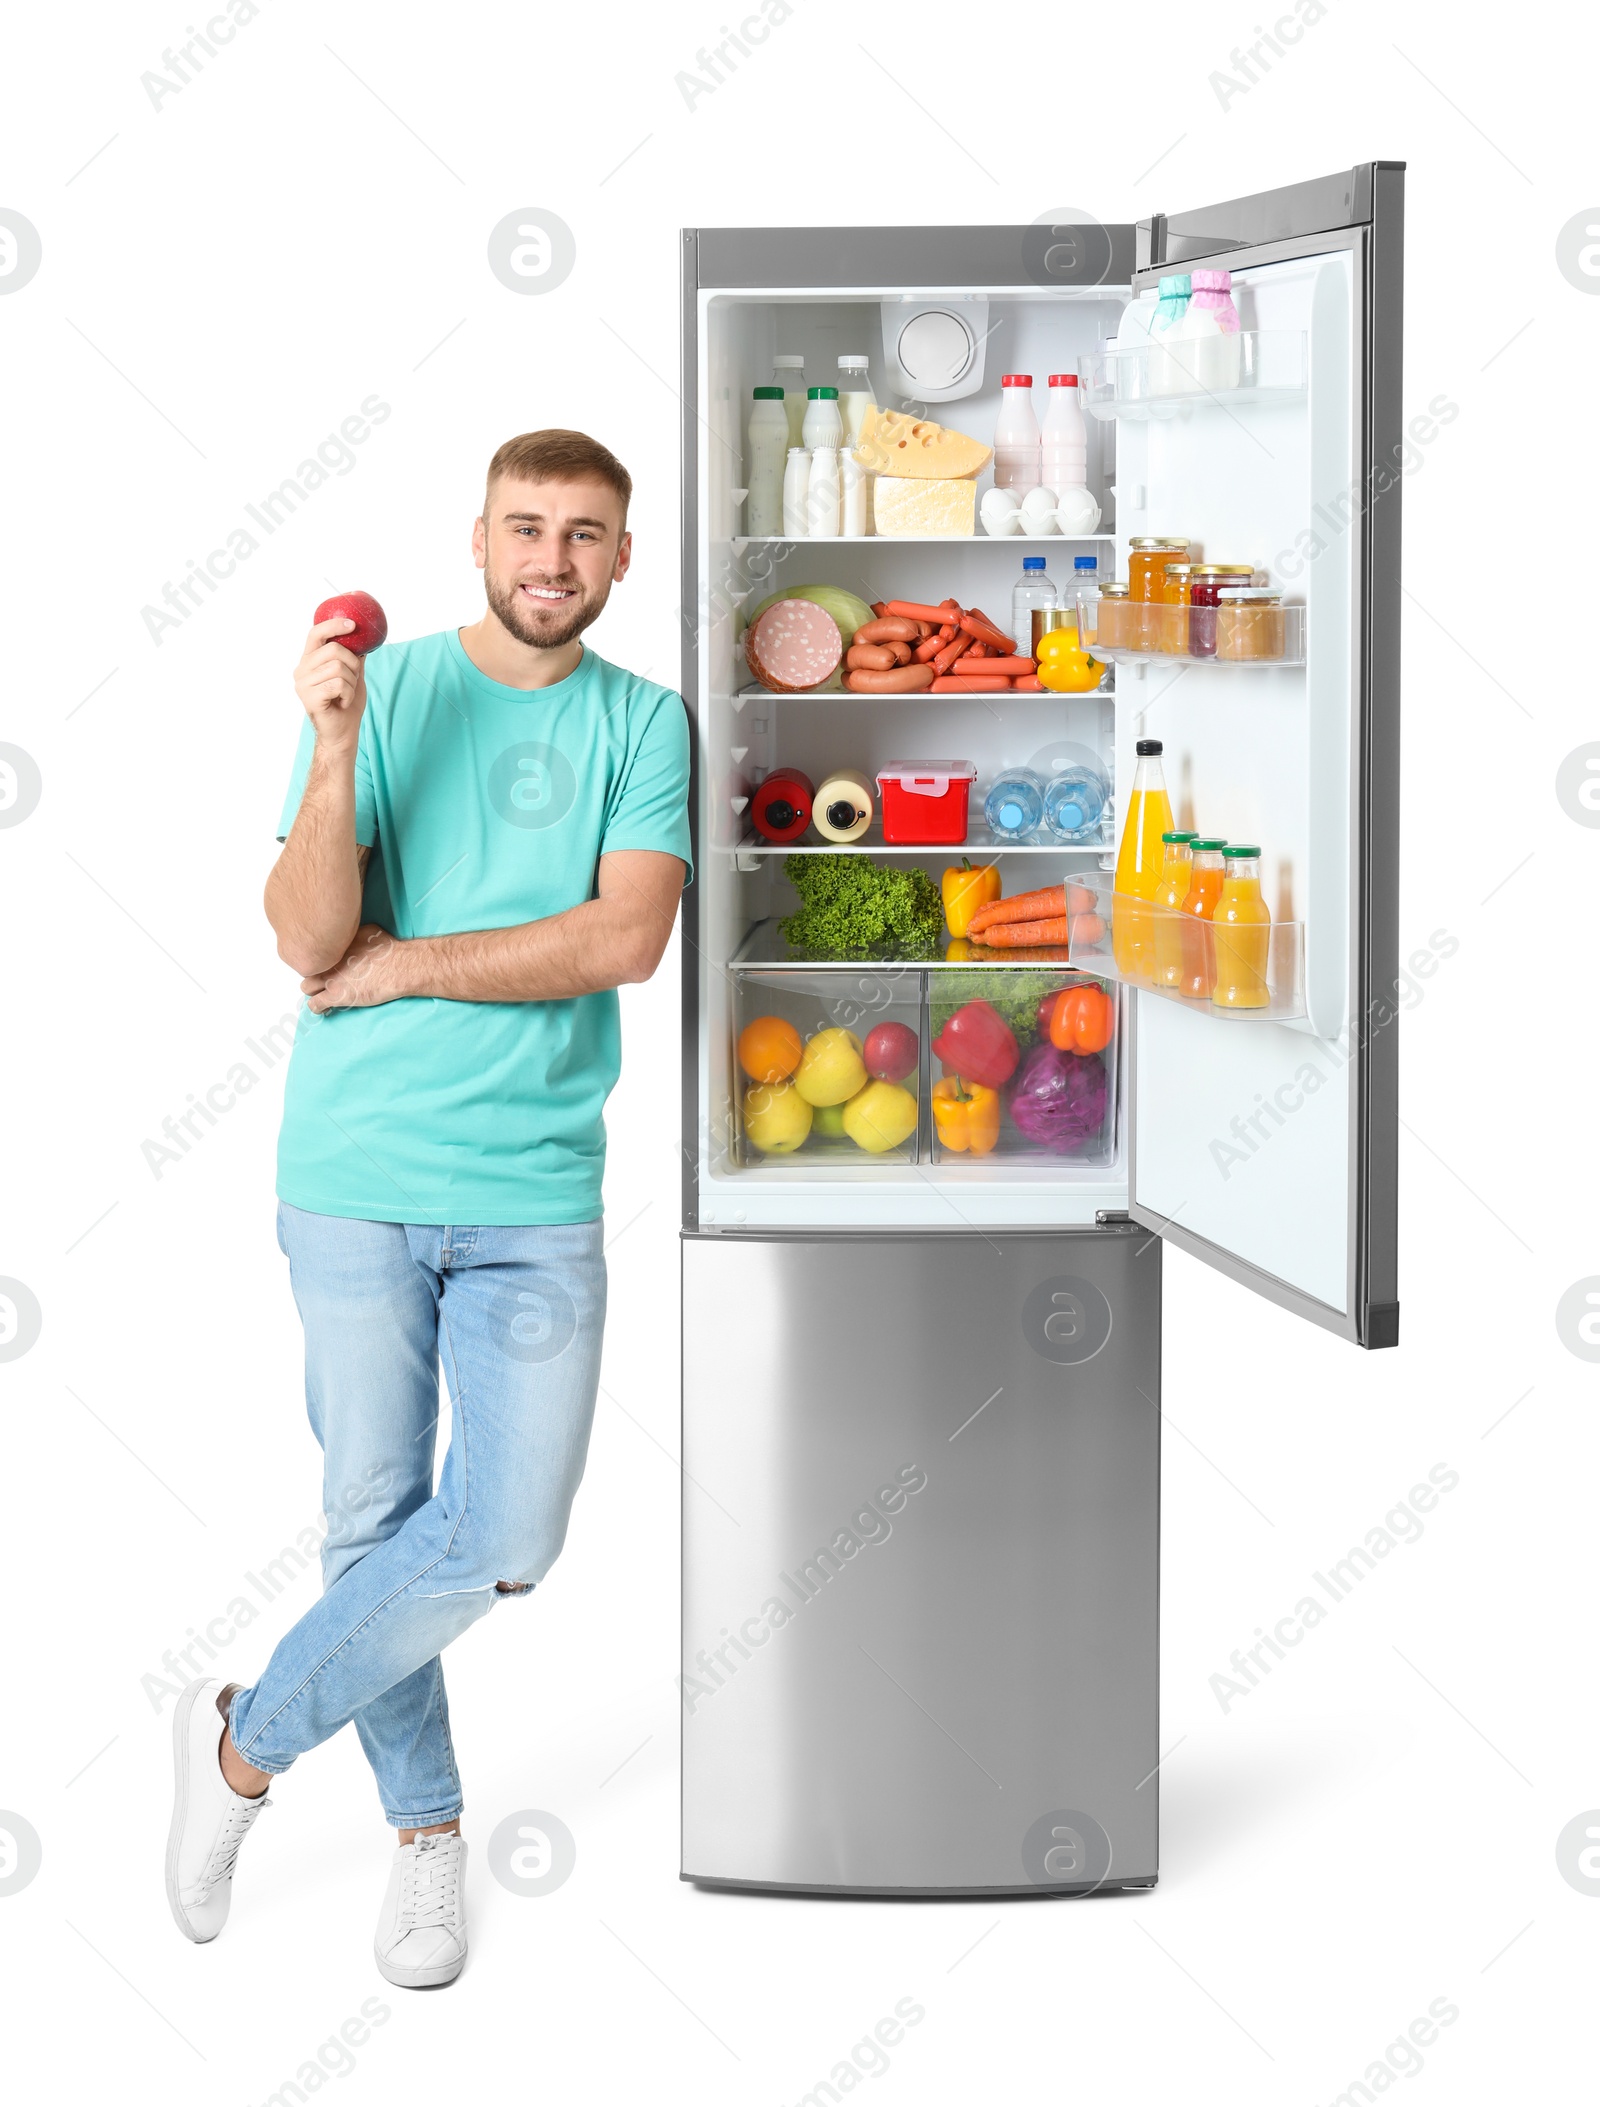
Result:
[
  {"x": 967, "y": 1115},
  {"x": 1065, "y": 668},
  {"x": 967, "y": 889},
  {"x": 960, "y": 947}
]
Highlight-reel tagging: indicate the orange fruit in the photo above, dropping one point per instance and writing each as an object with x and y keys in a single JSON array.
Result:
[{"x": 769, "y": 1049}]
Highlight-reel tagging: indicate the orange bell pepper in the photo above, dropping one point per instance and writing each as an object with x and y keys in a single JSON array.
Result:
[
  {"x": 1081, "y": 1020},
  {"x": 967, "y": 1115},
  {"x": 967, "y": 889}
]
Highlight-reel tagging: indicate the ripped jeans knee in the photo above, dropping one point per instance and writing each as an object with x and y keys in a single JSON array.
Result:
[{"x": 513, "y": 1587}]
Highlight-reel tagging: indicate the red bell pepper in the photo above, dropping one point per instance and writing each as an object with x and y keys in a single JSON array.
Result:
[{"x": 979, "y": 1044}]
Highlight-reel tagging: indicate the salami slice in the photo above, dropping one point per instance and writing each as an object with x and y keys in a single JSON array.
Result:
[{"x": 794, "y": 645}]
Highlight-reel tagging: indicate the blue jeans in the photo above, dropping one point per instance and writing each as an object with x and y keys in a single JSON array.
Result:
[{"x": 518, "y": 1314}]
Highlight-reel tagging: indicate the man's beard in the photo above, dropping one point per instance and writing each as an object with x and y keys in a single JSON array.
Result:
[{"x": 544, "y": 626}]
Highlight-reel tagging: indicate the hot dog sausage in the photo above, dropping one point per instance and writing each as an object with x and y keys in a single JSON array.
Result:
[
  {"x": 900, "y": 680},
  {"x": 966, "y": 684},
  {"x": 996, "y": 664},
  {"x": 870, "y": 658},
  {"x": 892, "y": 629}
]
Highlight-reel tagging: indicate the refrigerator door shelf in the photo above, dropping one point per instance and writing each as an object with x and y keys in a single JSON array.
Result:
[
  {"x": 1176, "y": 376},
  {"x": 1140, "y": 935},
  {"x": 1253, "y": 638}
]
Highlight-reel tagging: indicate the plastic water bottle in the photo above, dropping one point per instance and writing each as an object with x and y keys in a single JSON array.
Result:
[
  {"x": 1033, "y": 589},
  {"x": 1083, "y": 593},
  {"x": 1073, "y": 803},
  {"x": 1014, "y": 806}
]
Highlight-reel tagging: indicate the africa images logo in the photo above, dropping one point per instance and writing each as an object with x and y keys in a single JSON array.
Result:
[{"x": 532, "y": 785}]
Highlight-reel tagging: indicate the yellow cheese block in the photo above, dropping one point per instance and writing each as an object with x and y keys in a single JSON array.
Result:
[
  {"x": 915, "y": 505},
  {"x": 894, "y": 444}
]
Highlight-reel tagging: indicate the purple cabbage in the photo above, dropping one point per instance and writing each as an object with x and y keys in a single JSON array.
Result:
[{"x": 1058, "y": 1099}]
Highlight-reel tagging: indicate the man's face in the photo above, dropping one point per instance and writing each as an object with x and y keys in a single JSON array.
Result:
[{"x": 550, "y": 554}]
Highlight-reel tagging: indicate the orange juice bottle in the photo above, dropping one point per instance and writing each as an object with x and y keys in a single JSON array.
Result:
[
  {"x": 1177, "y": 871},
  {"x": 1241, "y": 928},
  {"x": 1197, "y": 972},
  {"x": 1139, "y": 860}
]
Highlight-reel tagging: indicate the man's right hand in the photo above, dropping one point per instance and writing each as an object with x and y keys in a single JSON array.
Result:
[{"x": 332, "y": 685}]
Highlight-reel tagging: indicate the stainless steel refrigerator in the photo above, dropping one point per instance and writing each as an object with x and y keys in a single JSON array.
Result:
[{"x": 922, "y": 1380}]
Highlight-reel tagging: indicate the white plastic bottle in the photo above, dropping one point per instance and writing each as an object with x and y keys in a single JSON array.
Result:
[
  {"x": 789, "y": 373},
  {"x": 822, "y": 495},
  {"x": 1207, "y": 343},
  {"x": 1064, "y": 437},
  {"x": 1166, "y": 374},
  {"x": 1017, "y": 453},
  {"x": 856, "y": 395},
  {"x": 1033, "y": 589},
  {"x": 768, "y": 433},
  {"x": 852, "y": 496},
  {"x": 796, "y": 487},
  {"x": 823, "y": 425}
]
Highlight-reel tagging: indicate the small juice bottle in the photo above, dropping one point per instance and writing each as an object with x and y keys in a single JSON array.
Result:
[
  {"x": 1241, "y": 928},
  {"x": 1138, "y": 871},
  {"x": 1197, "y": 969},
  {"x": 1177, "y": 870}
]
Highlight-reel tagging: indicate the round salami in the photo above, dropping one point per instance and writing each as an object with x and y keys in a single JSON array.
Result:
[{"x": 794, "y": 645}]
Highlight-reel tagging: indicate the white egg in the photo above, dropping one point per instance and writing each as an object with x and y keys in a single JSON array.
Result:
[
  {"x": 1077, "y": 512},
  {"x": 998, "y": 509},
  {"x": 1038, "y": 511}
]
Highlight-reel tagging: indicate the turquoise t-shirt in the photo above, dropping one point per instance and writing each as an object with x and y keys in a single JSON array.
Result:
[{"x": 484, "y": 806}]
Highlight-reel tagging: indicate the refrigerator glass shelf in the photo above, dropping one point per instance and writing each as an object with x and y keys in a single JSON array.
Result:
[
  {"x": 852, "y": 541},
  {"x": 743, "y": 695},
  {"x": 872, "y": 843},
  {"x": 1175, "y": 378},
  {"x": 1245, "y": 635}
]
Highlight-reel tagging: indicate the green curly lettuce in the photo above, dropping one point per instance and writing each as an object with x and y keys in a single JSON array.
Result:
[{"x": 851, "y": 907}]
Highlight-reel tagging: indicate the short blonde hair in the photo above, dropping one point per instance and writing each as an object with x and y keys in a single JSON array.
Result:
[{"x": 558, "y": 456}]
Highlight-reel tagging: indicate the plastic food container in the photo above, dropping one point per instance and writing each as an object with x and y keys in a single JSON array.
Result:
[{"x": 925, "y": 801}]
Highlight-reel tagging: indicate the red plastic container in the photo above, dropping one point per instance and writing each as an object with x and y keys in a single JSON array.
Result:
[{"x": 925, "y": 802}]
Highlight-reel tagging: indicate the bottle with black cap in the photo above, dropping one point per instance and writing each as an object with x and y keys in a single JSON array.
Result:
[
  {"x": 1147, "y": 815},
  {"x": 780, "y": 805},
  {"x": 842, "y": 807}
]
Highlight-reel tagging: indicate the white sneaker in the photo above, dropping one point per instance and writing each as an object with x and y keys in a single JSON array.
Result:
[
  {"x": 422, "y": 1928},
  {"x": 209, "y": 1819}
]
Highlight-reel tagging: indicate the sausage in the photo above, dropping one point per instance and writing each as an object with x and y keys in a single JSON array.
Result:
[
  {"x": 920, "y": 611},
  {"x": 1028, "y": 684},
  {"x": 997, "y": 664},
  {"x": 879, "y": 607},
  {"x": 899, "y": 680},
  {"x": 870, "y": 658},
  {"x": 894, "y": 629},
  {"x": 981, "y": 627},
  {"x": 949, "y": 653},
  {"x": 966, "y": 684},
  {"x": 929, "y": 648}
]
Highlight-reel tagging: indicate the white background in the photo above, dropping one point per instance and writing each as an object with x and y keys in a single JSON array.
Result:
[{"x": 304, "y": 225}]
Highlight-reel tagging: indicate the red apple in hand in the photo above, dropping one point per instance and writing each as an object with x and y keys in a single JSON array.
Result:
[
  {"x": 372, "y": 624},
  {"x": 890, "y": 1051}
]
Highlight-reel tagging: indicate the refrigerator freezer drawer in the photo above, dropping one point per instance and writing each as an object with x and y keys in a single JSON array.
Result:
[{"x": 920, "y": 1561}]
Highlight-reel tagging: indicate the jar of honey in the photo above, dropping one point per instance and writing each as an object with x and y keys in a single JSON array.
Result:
[
  {"x": 1171, "y": 618},
  {"x": 1148, "y": 557},
  {"x": 1206, "y": 581},
  {"x": 1250, "y": 622},
  {"x": 1117, "y": 627}
]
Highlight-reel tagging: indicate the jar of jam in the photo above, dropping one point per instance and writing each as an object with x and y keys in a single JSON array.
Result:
[
  {"x": 1206, "y": 581},
  {"x": 1148, "y": 557},
  {"x": 1171, "y": 618},
  {"x": 1250, "y": 622},
  {"x": 1117, "y": 626}
]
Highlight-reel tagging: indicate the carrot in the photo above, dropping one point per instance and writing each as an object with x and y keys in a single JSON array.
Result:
[
  {"x": 918, "y": 610},
  {"x": 978, "y": 622},
  {"x": 995, "y": 662},
  {"x": 968, "y": 684},
  {"x": 1021, "y": 907},
  {"x": 1021, "y": 936},
  {"x": 1087, "y": 929}
]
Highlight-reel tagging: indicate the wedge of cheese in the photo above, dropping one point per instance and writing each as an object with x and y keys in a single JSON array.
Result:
[
  {"x": 894, "y": 444},
  {"x": 920, "y": 506}
]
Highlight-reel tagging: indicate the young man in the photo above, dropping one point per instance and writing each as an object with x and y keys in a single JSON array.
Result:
[{"x": 486, "y": 834}]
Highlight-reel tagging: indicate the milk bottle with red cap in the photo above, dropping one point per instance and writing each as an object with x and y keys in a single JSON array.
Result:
[
  {"x": 1065, "y": 436},
  {"x": 1016, "y": 436}
]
